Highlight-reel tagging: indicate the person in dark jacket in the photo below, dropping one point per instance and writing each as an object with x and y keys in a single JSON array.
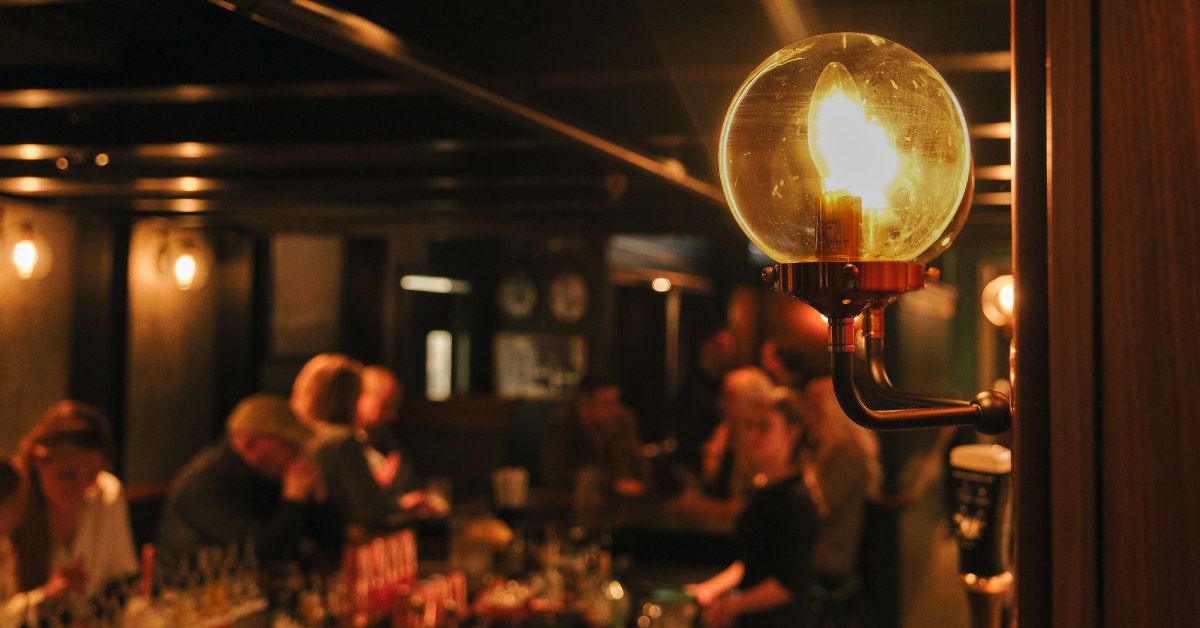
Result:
[
  {"x": 254, "y": 485},
  {"x": 768, "y": 585},
  {"x": 694, "y": 412},
  {"x": 595, "y": 432}
]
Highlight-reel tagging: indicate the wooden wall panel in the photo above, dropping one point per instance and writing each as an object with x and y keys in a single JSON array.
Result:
[
  {"x": 1071, "y": 233},
  {"x": 1031, "y": 444},
  {"x": 1149, "y": 130}
]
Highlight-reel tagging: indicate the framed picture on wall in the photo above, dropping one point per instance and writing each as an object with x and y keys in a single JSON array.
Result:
[{"x": 539, "y": 366}]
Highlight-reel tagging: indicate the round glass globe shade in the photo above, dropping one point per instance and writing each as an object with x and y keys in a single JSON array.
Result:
[{"x": 897, "y": 147}]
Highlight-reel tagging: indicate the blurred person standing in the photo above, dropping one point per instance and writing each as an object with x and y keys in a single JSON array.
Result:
[
  {"x": 378, "y": 410},
  {"x": 325, "y": 397},
  {"x": 694, "y": 410},
  {"x": 255, "y": 484},
  {"x": 375, "y": 427},
  {"x": 768, "y": 586},
  {"x": 596, "y": 432},
  {"x": 785, "y": 363},
  {"x": 846, "y": 458},
  {"x": 74, "y": 535}
]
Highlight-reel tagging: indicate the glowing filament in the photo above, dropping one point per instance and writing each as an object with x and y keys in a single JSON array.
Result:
[
  {"x": 1006, "y": 299},
  {"x": 852, "y": 153},
  {"x": 185, "y": 271},
  {"x": 25, "y": 258}
]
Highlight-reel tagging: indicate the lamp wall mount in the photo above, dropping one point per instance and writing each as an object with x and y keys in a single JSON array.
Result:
[{"x": 843, "y": 290}]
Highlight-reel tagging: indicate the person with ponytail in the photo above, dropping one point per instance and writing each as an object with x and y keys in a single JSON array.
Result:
[{"x": 768, "y": 585}]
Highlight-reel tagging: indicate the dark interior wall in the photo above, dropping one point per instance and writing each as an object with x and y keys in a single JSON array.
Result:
[
  {"x": 364, "y": 293},
  {"x": 100, "y": 321},
  {"x": 303, "y": 304},
  {"x": 170, "y": 407},
  {"x": 239, "y": 319},
  {"x": 640, "y": 353},
  {"x": 35, "y": 323}
]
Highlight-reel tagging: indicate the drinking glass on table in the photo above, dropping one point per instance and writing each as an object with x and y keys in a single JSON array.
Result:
[{"x": 510, "y": 492}]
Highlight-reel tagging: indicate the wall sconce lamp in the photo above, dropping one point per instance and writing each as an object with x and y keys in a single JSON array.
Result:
[
  {"x": 998, "y": 300},
  {"x": 29, "y": 252},
  {"x": 845, "y": 158},
  {"x": 184, "y": 260}
]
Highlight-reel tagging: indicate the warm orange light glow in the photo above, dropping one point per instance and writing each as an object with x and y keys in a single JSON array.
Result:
[
  {"x": 189, "y": 205},
  {"x": 998, "y": 300},
  {"x": 25, "y": 257},
  {"x": 194, "y": 149},
  {"x": 185, "y": 271},
  {"x": 845, "y": 146},
  {"x": 1006, "y": 299},
  {"x": 661, "y": 284},
  {"x": 30, "y": 184},
  {"x": 851, "y": 151}
]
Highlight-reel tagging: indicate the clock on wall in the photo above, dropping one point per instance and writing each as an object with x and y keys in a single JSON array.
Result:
[
  {"x": 568, "y": 296},
  {"x": 517, "y": 295}
]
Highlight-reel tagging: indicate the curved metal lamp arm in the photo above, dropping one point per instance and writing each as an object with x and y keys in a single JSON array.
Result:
[
  {"x": 988, "y": 412},
  {"x": 881, "y": 385}
]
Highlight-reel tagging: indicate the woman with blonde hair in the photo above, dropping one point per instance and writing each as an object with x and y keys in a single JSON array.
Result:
[
  {"x": 326, "y": 391},
  {"x": 325, "y": 397},
  {"x": 743, "y": 391},
  {"x": 74, "y": 534}
]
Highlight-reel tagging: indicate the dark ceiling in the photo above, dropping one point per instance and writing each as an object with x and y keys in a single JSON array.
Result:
[{"x": 495, "y": 113}]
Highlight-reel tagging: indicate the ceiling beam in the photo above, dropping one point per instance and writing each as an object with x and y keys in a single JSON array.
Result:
[
  {"x": 356, "y": 38},
  {"x": 196, "y": 93}
]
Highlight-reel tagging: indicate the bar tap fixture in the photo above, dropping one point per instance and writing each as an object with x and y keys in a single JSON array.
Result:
[
  {"x": 982, "y": 524},
  {"x": 845, "y": 158}
]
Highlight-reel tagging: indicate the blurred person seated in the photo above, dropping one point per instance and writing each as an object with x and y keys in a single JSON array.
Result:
[
  {"x": 597, "y": 433},
  {"x": 255, "y": 484},
  {"x": 846, "y": 459},
  {"x": 694, "y": 411},
  {"x": 378, "y": 412},
  {"x": 768, "y": 586},
  {"x": 325, "y": 397},
  {"x": 74, "y": 536}
]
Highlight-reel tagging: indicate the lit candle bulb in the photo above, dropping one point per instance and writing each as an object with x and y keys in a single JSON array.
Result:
[
  {"x": 856, "y": 162},
  {"x": 185, "y": 271},
  {"x": 25, "y": 258}
]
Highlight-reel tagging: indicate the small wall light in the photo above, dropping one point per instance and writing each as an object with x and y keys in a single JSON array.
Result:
[
  {"x": 185, "y": 260},
  {"x": 997, "y": 301},
  {"x": 29, "y": 252},
  {"x": 845, "y": 158}
]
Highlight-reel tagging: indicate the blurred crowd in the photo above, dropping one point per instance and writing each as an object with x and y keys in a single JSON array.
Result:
[{"x": 292, "y": 478}]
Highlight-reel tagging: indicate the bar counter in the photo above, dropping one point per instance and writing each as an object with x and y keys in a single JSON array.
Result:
[{"x": 625, "y": 563}]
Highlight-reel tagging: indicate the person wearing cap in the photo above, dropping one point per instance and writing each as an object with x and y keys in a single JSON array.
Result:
[
  {"x": 74, "y": 535},
  {"x": 254, "y": 485}
]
